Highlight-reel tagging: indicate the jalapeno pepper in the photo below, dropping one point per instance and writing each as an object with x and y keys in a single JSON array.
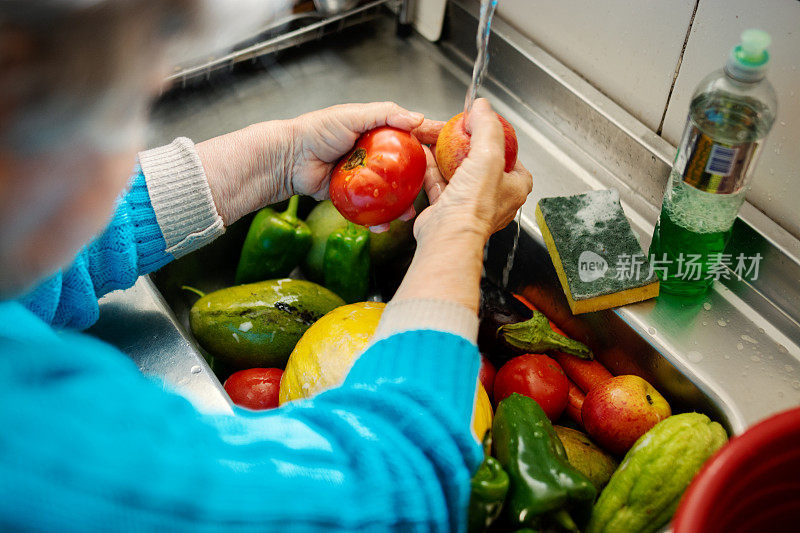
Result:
[
  {"x": 275, "y": 244},
  {"x": 544, "y": 489},
  {"x": 346, "y": 262}
]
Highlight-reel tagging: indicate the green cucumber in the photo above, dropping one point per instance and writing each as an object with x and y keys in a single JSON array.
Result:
[{"x": 258, "y": 324}]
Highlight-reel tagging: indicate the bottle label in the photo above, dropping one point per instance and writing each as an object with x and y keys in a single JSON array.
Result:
[{"x": 716, "y": 167}]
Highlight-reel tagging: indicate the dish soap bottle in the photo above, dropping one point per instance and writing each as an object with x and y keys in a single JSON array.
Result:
[{"x": 731, "y": 112}]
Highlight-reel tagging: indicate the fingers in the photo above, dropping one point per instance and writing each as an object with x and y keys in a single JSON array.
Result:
[
  {"x": 433, "y": 182},
  {"x": 408, "y": 214},
  {"x": 380, "y": 228},
  {"x": 487, "y": 142},
  {"x": 428, "y": 131},
  {"x": 521, "y": 179},
  {"x": 368, "y": 116}
]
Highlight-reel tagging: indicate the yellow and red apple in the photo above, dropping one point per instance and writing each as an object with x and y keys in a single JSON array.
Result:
[
  {"x": 620, "y": 410},
  {"x": 452, "y": 146}
]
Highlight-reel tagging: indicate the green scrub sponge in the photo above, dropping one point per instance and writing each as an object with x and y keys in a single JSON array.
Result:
[{"x": 596, "y": 255}]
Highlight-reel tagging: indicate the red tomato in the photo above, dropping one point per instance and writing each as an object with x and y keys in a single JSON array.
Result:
[
  {"x": 380, "y": 178},
  {"x": 536, "y": 376},
  {"x": 486, "y": 374},
  {"x": 255, "y": 388}
]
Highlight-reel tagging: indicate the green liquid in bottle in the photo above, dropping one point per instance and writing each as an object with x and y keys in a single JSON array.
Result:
[{"x": 693, "y": 229}]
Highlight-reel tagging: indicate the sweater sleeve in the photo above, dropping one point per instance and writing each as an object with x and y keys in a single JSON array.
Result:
[
  {"x": 167, "y": 212},
  {"x": 390, "y": 450}
]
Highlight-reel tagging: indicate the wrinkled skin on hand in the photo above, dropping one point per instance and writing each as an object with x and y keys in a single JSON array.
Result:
[
  {"x": 480, "y": 196},
  {"x": 270, "y": 161}
]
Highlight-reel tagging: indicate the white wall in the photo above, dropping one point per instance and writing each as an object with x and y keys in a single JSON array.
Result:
[{"x": 630, "y": 51}]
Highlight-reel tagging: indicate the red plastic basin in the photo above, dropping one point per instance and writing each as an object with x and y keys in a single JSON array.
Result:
[{"x": 752, "y": 485}]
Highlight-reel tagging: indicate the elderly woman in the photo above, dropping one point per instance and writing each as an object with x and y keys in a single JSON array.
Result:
[{"x": 88, "y": 443}]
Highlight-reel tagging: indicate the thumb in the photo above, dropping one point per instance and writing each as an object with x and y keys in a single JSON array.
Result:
[
  {"x": 487, "y": 143},
  {"x": 368, "y": 116}
]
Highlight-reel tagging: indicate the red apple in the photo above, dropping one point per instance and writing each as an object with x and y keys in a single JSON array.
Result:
[
  {"x": 452, "y": 146},
  {"x": 486, "y": 374},
  {"x": 620, "y": 410}
]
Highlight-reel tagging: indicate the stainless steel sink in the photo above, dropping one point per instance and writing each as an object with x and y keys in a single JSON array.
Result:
[{"x": 734, "y": 354}]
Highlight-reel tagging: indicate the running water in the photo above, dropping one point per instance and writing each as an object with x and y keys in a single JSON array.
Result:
[
  {"x": 482, "y": 60},
  {"x": 513, "y": 253},
  {"x": 488, "y": 8}
]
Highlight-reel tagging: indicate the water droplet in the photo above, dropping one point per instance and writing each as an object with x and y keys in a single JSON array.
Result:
[
  {"x": 705, "y": 323},
  {"x": 726, "y": 356},
  {"x": 761, "y": 330},
  {"x": 694, "y": 356},
  {"x": 721, "y": 323},
  {"x": 769, "y": 197},
  {"x": 796, "y": 384},
  {"x": 782, "y": 348},
  {"x": 195, "y": 369},
  {"x": 755, "y": 358},
  {"x": 788, "y": 368},
  {"x": 783, "y": 122},
  {"x": 749, "y": 339},
  {"x": 651, "y": 331},
  {"x": 739, "y": 346},
  {"x": 707, "y": 306}
]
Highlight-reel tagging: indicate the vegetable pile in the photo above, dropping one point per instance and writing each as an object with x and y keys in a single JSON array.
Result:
[
  {"x": 568, "y": 445},
  {"x": 619, "y": 462}
]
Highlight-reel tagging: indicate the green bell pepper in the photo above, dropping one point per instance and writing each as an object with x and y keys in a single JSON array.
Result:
[
  {"x": 544, "y": 489},
  {"x": 274, "y": 246},
  {"x": 346, "y": 263}
]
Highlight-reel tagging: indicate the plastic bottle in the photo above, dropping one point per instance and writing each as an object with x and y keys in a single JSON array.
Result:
[{"x": 732, "y": 111}]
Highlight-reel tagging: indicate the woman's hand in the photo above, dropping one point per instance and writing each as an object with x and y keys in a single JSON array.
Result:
[
  {"x": 321, "y": 137},
  {"x": 479, "y": 200},
  {"x": 271, "y": 161},
  {"x": 480, "y": 196}
]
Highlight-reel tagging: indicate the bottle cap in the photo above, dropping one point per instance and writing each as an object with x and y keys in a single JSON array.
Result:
[{"x": 748, "y": 61}]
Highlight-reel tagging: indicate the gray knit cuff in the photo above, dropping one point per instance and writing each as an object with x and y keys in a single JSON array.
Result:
[
  {"x": 181, "y": 196},
  {"x": 427, "y": 313}
]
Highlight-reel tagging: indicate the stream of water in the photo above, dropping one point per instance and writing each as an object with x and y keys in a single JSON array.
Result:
[
  {"x": 482, "y": 60},
  {"x": 488, "y": 8}
]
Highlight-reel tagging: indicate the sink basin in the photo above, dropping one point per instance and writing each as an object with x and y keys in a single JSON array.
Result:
[
  {"x": 614, "y": 342},
  {"x": 734, "y": 354}
]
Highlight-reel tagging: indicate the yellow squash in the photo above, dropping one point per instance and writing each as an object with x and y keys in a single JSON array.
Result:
[
  {"x": 482, "y": 413},
  {"x": 327, "y": 350}
]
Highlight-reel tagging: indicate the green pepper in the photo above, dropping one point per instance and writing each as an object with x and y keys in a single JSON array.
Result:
[
  {"x": 489, "y": 486},
  {"x": 544, "y": 489},
  {"x": 537, "y": 336},
  {"x": 346, "y": 262},
  {"x": 274, "y": 246}
]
